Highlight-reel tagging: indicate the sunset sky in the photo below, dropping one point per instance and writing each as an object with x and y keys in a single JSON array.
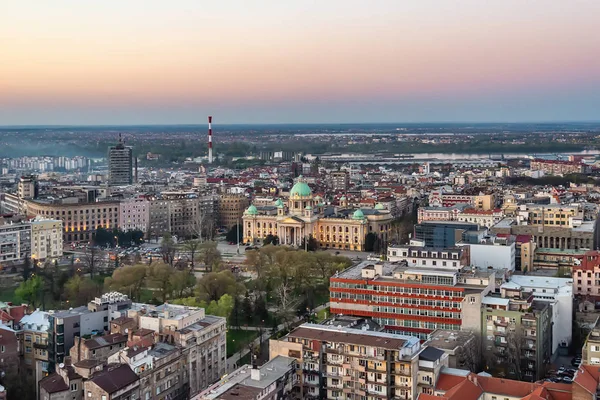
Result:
[{"x": 275, "y": 61}]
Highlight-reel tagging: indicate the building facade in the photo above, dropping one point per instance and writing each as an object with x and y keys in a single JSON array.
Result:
[
  {"x": 411, "y": 300},
  {"x": 15, "y": 241},
  {"x": 46, "y": 238},
  {"x": 134, "y": 214},
  {"x": 231, "y": 209},
  {"x": 306, "y": 216},
  {"x": 120, "y": 164},
  {"x": 517, "y": 336},
  {"x": 557, "y": 167},
  {"x": 351, "y": 364}
]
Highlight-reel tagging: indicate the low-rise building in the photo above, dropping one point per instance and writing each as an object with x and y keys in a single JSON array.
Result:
[
  {"x": 586, "y": 275},
  {"x": 497, "y": 252},
  {"x": 451, "y": 258},
  {"x": 97, "y": 348},
  {"x": 276, "y": 379},
  {"x": 117, "y": 382}
]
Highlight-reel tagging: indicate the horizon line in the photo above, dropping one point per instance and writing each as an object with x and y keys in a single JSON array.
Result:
[{"x": 306, "y": 123}]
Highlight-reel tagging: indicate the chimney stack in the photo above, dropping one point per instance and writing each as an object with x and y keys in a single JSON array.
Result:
[{"x": 210, "y": 154}]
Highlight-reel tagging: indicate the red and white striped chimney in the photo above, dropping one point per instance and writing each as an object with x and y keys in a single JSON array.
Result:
[{"x": 210, "y": 156}]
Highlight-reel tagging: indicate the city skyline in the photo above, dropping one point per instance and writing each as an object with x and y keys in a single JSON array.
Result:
[{"x": 429, "y": 61}]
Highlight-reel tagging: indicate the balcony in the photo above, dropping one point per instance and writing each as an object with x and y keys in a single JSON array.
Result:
[
  {"x": 501, "y": 323},
  {"x": 42, "y": 345},
  {"x": 401, "y": 371}
]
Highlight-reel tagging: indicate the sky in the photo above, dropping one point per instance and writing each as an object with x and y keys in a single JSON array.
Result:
[{"x": 272, "y": 61}]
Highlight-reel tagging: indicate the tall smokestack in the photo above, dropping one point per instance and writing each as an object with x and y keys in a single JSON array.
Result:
[{"x": 210, "y": 156}]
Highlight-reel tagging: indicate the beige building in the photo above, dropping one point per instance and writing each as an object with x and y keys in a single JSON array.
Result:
[
  {"x": 46, "y": 238},
  {"x": 351, "y": 364},
  {"x": 590, "y": 354},
  {"x": 201, "y": 336},
  {"x": 97, "y": 348},
  {"x": 27, "y": 187},
  {"x": 34, "y": 343},
  {"x": 231, "y": 209},
  {"x": 79, "y": 220},
  {"x": 550, "y": 215},
  {"x": 305, "y": 215}
]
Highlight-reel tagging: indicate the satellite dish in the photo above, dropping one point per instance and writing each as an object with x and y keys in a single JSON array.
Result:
[{"x": 61, "y": 365}]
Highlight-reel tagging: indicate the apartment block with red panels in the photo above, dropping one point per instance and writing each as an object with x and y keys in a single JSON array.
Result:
[{"x": 412, "y": 300}]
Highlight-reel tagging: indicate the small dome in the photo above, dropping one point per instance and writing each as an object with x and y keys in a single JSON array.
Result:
[
  {"x": 320, "y": 204},
  {"x": 308, "y": 208},
  {"x": 379, "y": 206},
  {"x": 279, "y": 203},
  {"x": 358, "y": 214},
  {"x": 300, "y": 189},
  {"x": 343, "y": 198},
  {"x": 252, "y": 210}
]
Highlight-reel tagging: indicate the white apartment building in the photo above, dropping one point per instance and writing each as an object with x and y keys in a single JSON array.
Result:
[
  {"x": 15, "y": 241},
  {"x": 46, "y": 238},
  {"x": 556, "y": 291},
  {"x": 452, "y": 258},
  {"x": 492, "y": 251}
]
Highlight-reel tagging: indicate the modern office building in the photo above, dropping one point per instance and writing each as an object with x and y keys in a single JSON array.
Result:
[
  {"x": 412, "y": 300},
  {"x": 120, "y": 164},
  {"x": 442, "y": 234},
  {"x": 351, "y": 364}
]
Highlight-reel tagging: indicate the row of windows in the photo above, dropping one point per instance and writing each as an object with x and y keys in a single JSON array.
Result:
[
  {"x": 397, "y": 289},
  {"x": 416, "y": 311}
]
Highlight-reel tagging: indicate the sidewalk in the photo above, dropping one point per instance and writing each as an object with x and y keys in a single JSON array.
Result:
[{"x": 235, "y": 358}]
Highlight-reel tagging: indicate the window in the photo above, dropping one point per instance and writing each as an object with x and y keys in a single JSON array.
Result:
[
  {"x": 73, "y": 387},
  {"x": 2, "y": 348},
  {"x": 103, "y": 397}
]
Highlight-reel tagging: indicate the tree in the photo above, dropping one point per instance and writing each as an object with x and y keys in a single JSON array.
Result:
[
  {"x": 168, "y": 249},
  {"x": 286, "y": 303},
  {"x": 469, "y": 355},
  {"x": 271, "y": 239},
  {"x": 236, "y": 313},
  {"x": 311, "y": 245},
  {"x": 210, "y": 255},
  {"x": 233, "y": 236},
  {"x": 215, "y": 284},
  {"x": 181, "y": 282},
  {"x": 247, "y": 308},
  {"x": 514, "y": 351},
  {"x": 26, "y": 267},
  {"x": 81, "y": 290},
  {"x": 158, "y": 278},
  {"x": 371, "y": 242},
  {"x": 192, "y": 247},
  {"x": 221, "y": 308},
  {"x": 31, "y": 291},
  {"x": 261, "y": 313},
  {"x": 128, "y": 280},
  {"x": 91, "y": 258}
]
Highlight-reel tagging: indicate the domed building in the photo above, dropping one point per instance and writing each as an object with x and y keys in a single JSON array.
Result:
[{"x": 305, "y": 215}]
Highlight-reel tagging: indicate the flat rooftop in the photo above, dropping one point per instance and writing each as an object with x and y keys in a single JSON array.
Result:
[
  {"x": 240, "y": 379},
  {"x": 448, "y": 340},
  {"x": 352, "y": 336}
]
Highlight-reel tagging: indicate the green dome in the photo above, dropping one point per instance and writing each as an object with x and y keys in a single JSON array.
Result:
[
  {"x": 358, "y": 214},
  {"x": 279, "y": 203},
  {"x": 343, "y": 198},
  {"x": 308, "y": 208},
  {"x": 300, "y": 189},
  {"x": 379, "y": 206},
  {"x": 252, "y": 210}
]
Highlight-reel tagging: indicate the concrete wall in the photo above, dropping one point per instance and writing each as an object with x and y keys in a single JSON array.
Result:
[{"x": 497, "y": 257}]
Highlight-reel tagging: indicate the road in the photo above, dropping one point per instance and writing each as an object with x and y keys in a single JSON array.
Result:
[{"x": 232, "y": 362}]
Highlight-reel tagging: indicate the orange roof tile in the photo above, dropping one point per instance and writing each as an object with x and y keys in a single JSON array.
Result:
[
  {"x": 446, "y": 381},
  {"x": 587, "y": 378},
  {"x": 466, "y": 390}
]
